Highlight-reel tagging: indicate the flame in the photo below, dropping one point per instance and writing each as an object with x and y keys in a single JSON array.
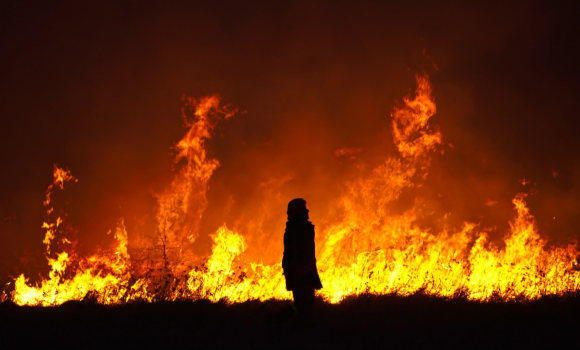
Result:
[
  {"x": 89, "y": 280},
  {"x": 524, "y": 268},
  {"x": 186, "y": 195},
  {"x": 411, "y": 133},
  {"x": 365, "y": 248},
  {"x": 60, "y": 177}
]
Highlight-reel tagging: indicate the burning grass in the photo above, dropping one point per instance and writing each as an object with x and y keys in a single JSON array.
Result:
[{"x": 364, "y": 247}]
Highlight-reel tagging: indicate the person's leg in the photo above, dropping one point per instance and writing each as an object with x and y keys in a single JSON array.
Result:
[
  {"x": 298, "y": 294},
  {"x": 303, "y": 299},
  {"x": 309, "y": 299}
]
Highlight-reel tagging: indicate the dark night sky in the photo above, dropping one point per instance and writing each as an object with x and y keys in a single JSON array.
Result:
[{"x": 96, "y": 87}]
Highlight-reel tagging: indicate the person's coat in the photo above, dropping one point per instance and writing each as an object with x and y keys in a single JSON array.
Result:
[{"x": 299, "y": 261}]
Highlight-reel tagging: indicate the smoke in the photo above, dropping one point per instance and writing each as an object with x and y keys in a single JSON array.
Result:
[{"x": 98, "y": 91}]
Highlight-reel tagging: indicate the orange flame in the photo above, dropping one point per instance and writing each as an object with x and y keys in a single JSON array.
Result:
[
  {"x": 60, "y": 177},
  {"x": 367, "y": 249}
]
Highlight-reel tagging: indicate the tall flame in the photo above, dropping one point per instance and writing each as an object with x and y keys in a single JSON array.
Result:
[
  {"x": 181, "y": 205},
  {"x": 367, "y": 249},
  {"x": 60, "y": 177}
]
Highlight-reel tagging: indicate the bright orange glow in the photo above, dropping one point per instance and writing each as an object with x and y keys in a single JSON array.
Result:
[{"x": 365, "y": 248}]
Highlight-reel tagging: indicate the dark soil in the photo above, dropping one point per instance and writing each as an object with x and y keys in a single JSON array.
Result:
[{"x": 362, "y": 322}]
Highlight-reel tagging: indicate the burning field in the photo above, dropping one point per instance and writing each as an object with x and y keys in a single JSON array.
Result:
[
  {"x": 362, "y": 247},
  {"x": 147, "y": 177}
]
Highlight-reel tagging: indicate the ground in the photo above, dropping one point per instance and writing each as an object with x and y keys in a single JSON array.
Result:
[{"x": 366, "y": 321}]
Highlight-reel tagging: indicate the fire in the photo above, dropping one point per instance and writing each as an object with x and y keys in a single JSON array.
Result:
[
  {"x": 524, "y": 268},
  {"x": 60, "y": 177},
  {"x": 182, "y": 204},
  {"x": 366, "y": 249},
  {"x": 411, "y": 132},
  {"x": 221, "y": 281}
]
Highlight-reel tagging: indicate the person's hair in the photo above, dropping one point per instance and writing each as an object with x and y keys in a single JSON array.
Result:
[{"x": 297, "y": 207}]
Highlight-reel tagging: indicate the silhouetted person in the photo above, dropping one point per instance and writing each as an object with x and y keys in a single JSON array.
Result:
[{"x": 299, "y": 262}]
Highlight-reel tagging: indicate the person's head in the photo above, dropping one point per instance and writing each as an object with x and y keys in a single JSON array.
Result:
[{"x": 297, "y": 208}]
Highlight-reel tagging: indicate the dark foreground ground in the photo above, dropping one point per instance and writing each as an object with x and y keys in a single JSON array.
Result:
[{"x": 363, "y": 322}]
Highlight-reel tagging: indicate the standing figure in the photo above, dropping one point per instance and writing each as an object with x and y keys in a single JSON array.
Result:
[{"x": 299, "y": 261}]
